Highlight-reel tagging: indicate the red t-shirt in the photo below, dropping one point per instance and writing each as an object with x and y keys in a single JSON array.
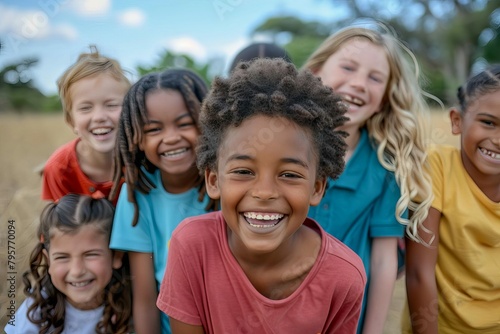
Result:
[
  {"x": 62, "y": 175},
  {"x": 204, "y": 285}
]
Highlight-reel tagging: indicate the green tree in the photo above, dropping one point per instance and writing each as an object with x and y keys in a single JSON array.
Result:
[
  {"x": 169, "y": 59},
  {"x": 304, "y": 36},
  {"x": 17, "y": 92}
]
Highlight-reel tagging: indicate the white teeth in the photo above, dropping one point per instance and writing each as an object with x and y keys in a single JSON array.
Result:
[
  {"x": 101, "y": 131},
  {"x": 259, "y": 216},
  {"x": 490, "y": 153},
  {"x": 353, "y": 100},
  {"x": 175, "y": 152},
  {"x": 263, "y": 226},
  {"x": 79, "y": 284}
]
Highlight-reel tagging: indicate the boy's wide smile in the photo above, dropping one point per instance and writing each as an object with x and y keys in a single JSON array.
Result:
[
  {"x": 266, "y": 181},
  {"x": 102, "y": 134},
  {"x": 263, "y": 221}
]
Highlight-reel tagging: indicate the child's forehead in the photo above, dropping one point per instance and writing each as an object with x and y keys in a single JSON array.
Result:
[
  {"x": 261, "y": 131},
  {"x": 107, "y": 76},
  {"x": 267, "y": 124},
  {"x": 90, "y": 230},
  {"x": 485, "y": 102}
]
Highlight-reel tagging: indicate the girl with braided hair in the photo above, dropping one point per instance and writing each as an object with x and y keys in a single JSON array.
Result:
[
  {"x": 75, "y": 283},
  {"x": 157, "y": 136},
  {"x": 452, "y": 280},
  {"x": 260, "y": 265}
]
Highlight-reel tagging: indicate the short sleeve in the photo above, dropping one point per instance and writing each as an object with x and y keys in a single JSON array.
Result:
[
  {"x": 124, "y": 236},
  {"x": 52, "y": 184},
  {"x": 383, "y": 222},
  {"x": 20, "y": 324},
  {"x": 436, "y": 170},
  {"x": 177, "y": 297}
]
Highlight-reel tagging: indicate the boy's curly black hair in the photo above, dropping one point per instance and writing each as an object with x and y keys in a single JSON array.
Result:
[{"x": 275, "y": 88}]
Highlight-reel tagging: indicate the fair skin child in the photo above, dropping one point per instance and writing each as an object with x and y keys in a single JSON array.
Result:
[
  {"x": 359, "y": 71},
  {"x": 169, "y": 140},
  {"x": 265, "y": 192},
  {"x": 479, "y": 128},
  {"x": 81, "y": 265},
  {"x": 95, "y": 110}
]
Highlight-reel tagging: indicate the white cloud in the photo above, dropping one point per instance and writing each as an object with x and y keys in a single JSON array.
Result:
[
  {"x": 132, "y": 17},
  {"x": 230, "y": 50},
  {"x": 187, "y": 45},
  {"x": 66, "y": 31},
  {"x": 91, "y": 7},
  {"x": 31, "y": 25}
]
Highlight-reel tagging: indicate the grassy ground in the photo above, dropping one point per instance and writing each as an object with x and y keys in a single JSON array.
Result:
[{"x": 26, "y": 141}]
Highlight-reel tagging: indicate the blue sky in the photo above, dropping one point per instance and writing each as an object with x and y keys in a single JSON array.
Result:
[{"x": 136, "y": 32}]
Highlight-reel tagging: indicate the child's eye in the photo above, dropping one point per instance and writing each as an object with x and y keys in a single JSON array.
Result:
[
  {"x": 113, "y": 106},
  {"x": 487, "y": 122},
  {"x": 348, "y": 68},
  {"x": 84, "y": 108},
  {"x": 242, "y": 172},
  {"x": 187, "y": 124},
  {"x": 151, "y": 129},
  {"x": 376, "y": 79},
  {"x": 290, "y": 175}
]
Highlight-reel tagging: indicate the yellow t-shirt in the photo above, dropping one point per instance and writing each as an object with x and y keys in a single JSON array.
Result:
[{"x": 468, "y": 264}]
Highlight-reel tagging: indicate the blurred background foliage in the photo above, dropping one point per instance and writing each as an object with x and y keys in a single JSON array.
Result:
[{"x": 450, "y": 38}]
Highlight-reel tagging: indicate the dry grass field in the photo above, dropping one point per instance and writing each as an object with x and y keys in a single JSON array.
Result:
[{"x": 26, "y": 141}]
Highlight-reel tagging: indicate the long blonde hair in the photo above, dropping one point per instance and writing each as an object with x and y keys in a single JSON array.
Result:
[{"x": 399, "y": 128}]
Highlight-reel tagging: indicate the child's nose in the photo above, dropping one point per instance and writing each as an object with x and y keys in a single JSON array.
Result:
[
  {"x": 358, "y": 81},
  {"x": 77, "y": 267},
  {"x": 99, "y": 113},
  {"x": 171, "y": 137},
  {"x": 265, "y": 188},
  {"x": 496, "y": 138}
]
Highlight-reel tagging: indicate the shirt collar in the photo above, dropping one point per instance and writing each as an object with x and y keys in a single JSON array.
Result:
[{"x": 357, "y": 165}]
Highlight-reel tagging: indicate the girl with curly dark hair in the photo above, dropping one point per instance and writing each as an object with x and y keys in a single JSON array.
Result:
[
  {"x": 157, "y": 135},
  {"x": 75, "y": 283}
]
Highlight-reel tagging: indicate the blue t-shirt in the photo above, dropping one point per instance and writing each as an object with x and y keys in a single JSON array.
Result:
[
  {"x": 360, "y": 205},
  {"x": 159, "y": 214}
]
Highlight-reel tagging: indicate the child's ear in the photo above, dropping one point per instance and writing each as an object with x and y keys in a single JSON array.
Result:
[
  {"x": 456, "y": 121},
  {"x": 319, "y": 190},
  {"x": 117, "y": 260},
  {"x": 212, "y": 182}
]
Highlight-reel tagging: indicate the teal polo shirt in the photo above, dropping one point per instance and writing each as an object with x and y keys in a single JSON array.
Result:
[{"x": 360, "y": 205}]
